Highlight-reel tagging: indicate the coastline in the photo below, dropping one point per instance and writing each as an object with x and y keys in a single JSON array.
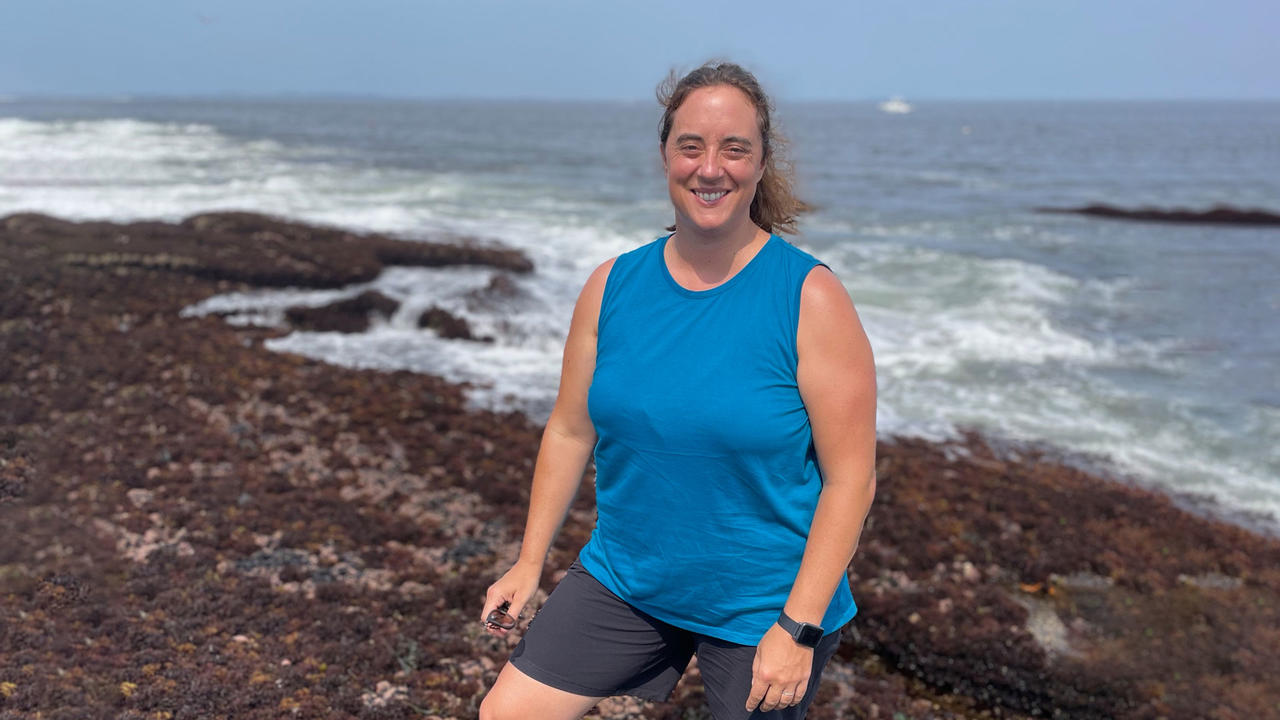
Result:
[{"x": 202, "y": 527}]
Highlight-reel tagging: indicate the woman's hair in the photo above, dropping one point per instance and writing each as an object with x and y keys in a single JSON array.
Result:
[{"x": 775, "y": 206}]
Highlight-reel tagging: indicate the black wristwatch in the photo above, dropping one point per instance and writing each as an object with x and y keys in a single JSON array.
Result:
[{"x": 806, "y": 634}]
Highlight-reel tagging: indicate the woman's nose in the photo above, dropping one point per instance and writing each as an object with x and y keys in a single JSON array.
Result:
[{"x": 710, "y": 167}]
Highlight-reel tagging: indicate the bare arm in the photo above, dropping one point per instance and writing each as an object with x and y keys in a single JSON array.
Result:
[
  {"x": 566, "y": 446},
  {"x": 836, "y": 375},
  {"x": 837, "y": 382},
  {"x": 569, "y": 437}
]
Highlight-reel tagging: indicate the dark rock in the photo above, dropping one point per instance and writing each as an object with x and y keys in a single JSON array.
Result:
[
  {"x": 273, "y": 559},
  {"x": 447, "y": 325},
  {"x": 502, "y": 286},
  {"x": 241, "y": 247},
  {"x": 58, "y": 591},
  {"x": 11, "y": 488},
  {"x": 499, "y": 292},
  {"x": 348, "y": 316},
  {"x": 468, "y": 548},
  {"x": 1219, "y": 215}
]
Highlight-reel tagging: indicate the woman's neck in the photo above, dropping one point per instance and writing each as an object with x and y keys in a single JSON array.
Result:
[{"x": 700, "y": 262}]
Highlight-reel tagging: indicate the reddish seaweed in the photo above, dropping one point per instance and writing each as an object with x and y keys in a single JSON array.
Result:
[{"x": 196, "y": 527}]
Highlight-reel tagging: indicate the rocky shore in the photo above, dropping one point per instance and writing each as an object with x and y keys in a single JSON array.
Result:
[
  {"x": 196, "y": 527},
  {"x": 1219, "y": 215}
]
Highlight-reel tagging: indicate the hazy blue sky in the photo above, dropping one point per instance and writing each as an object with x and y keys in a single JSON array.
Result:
[{"x": 619, "y": 50}]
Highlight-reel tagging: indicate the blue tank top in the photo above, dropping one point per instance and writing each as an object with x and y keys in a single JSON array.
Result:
[{"x": 706, "y": 476}]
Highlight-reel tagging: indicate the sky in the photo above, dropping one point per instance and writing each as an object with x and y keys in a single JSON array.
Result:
[{"x": 619, "y": 49}]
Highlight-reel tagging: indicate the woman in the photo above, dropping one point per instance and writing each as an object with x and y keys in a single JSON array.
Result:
[{"x": 727, "y": 389}]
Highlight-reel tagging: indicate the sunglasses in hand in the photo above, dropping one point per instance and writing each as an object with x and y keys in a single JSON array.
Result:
[{"x": 499, "y": 619}]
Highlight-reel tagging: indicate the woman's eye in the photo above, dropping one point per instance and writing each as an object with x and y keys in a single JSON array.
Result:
[{"x": 735, "y": 152}]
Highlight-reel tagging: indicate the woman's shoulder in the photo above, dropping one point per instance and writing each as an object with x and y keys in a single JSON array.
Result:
[
  {"x": 826, "y": 307},
  {"x": 823, "y": 290},
  {"x": 793, "y": 254},
  {"x": 820, "y": 289},
  {"x": 599, "y": 277}
]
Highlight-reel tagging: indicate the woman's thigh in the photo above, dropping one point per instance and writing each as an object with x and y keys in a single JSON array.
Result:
[
  {"x": 726, "y": 676},
  {"x": 516, "y": 696},
  {"x": 588, "y": 642}
]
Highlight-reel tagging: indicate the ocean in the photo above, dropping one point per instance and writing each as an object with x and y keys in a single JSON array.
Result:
[{"x": 1149, "y": 350}]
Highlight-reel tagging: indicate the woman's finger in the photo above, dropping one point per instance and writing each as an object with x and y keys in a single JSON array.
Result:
[
  {"x": 492, "y": 599},
  {"x": 757, "y": 694},
  {"x": 773, "y": 699}
]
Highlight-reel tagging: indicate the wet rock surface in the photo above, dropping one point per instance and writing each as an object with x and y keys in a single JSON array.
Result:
[
  {"x": 240, "y": 247},
  {"x": 348, "y": 316},
  {"x": 196, "y": 527},
  {"x": 447, "y": 325},
  {"x": 1220, "y": 215},
  {"x": 500, "y": 291}
]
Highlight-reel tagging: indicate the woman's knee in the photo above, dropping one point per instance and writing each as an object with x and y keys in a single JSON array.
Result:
[
  {"x": 501, "y": 705},
  {"x": 491, "y": 707}
]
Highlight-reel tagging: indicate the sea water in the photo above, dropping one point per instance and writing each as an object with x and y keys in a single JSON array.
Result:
[{"x": 1150, "y": 349}]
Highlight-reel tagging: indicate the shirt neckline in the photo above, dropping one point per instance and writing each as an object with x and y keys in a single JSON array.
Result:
[{"x": 666, "y": 271}]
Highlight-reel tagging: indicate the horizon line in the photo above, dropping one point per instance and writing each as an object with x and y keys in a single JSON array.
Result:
[{"x": 126, "y": 97}]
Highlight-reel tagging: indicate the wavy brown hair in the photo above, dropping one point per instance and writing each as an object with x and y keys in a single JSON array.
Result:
[{"x": 775, "y": 206}]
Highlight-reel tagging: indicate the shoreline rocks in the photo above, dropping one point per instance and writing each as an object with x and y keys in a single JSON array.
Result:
[
  {"x": 347, "y": 316},
  {"x": 447, "y": 325},
  {"x": 196, "y": 526},
  {"x": 1218, "y": 215},
  {"x": 255, "y": 249}
]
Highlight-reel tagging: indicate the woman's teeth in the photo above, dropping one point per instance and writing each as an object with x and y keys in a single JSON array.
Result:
[{"x": 711, "y": 196}]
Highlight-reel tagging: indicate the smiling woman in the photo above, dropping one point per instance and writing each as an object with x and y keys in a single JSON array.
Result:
[
  {"x": 714, "y": 163},
  {"x": 723, "y": 382},
  {"x": 774, "y": 207}
]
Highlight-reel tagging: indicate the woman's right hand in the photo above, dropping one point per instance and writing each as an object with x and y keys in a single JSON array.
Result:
[{"x": 514, "y": 588}]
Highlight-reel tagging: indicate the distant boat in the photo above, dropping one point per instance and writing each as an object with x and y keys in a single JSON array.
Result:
[{"x": 895, "y": 105}]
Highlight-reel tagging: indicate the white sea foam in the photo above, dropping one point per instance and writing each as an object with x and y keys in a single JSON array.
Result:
[
  {"x": 935, "y": 177},
  {"x": 961, "y": 340},
  {"x": 132, "y": 169},
  {"x": 970, "y": 342}
]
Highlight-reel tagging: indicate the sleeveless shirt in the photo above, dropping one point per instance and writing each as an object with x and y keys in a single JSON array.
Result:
[{"x": 706, "y": 474}]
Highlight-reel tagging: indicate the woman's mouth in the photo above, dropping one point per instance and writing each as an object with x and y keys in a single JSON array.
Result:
[{"x": 710, "y": 197}]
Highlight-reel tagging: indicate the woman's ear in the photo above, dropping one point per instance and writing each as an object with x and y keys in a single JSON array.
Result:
[{"x": 662, "y": 150}]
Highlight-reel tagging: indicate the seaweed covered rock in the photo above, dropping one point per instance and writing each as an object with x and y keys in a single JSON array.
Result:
[
  {"x": 195, "y": 526},
  {"x": 347, "y": 316},
  {"x": 1029, "y": 585},
  {"x": 447, "y": 325},
  {"x": 240, "y": 247}
]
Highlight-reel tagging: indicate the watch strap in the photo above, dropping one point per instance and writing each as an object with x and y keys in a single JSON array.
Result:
[{"x": 806, "y": 634}]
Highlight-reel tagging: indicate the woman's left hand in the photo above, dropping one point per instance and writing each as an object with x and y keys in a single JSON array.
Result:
[{"x": 780, "y": 672}]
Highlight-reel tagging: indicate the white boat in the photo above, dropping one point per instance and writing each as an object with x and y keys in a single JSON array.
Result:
[{"x": 895, "y": 105}]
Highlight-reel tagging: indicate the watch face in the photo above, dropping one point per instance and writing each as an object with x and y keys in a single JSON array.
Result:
[{"x": 809, "y": 635}]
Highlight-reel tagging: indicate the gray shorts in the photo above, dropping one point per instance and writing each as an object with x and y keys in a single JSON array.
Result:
[{"x": 588, "y": 641}]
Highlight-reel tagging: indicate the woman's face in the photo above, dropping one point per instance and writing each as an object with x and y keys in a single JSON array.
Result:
[{"x": 714, "y": 158}]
